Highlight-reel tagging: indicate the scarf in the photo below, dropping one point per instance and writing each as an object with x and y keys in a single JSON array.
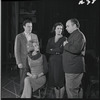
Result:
[{"x": 34, "y": 57}]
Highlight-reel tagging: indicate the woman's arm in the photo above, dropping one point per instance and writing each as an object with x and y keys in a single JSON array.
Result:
[
  {"x": 28, "y": 72},
  {"x": 53, "y": 50},
  {"x": 49, "y": 47},
  {"x": 45, "y": 67}
]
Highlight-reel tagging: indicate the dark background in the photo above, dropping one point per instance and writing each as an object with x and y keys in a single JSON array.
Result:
[{"x": 47, "y": 13}]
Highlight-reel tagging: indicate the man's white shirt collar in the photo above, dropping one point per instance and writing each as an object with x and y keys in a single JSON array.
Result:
[
  {"x": 28, "y": 36},
  {"x": 27, "y": 33}
]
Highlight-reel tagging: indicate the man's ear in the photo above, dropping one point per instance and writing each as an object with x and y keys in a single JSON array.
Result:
[
  {"x": 74, "y": 25},
  {"x": 24, "y": 27}
]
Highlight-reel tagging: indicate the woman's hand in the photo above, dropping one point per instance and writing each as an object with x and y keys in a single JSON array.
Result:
[
  {"x": 41, "y": 74},
  {"x": 29, "y": 74},
  {"x": 34, "y": 76}
]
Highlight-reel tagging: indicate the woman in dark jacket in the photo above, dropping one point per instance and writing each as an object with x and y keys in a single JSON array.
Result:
[{"x": 55, "y": 50}]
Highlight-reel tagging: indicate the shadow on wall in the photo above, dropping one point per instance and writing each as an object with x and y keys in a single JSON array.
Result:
[
  {"x": 91, "y": 77},
  {"x": 92, "y": 63}
]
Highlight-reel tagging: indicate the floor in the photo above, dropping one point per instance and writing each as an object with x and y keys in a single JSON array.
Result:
[{"x": 10, "y": 86}]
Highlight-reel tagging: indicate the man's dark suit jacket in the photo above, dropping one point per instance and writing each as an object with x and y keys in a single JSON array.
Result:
[{"x": 74, "y": 52}]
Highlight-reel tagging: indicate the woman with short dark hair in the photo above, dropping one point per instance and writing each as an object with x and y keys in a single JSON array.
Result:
[{"x": 55, "y": 49}]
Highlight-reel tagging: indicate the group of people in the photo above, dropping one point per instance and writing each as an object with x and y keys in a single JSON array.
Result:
[{"x": 66, "y": 64}]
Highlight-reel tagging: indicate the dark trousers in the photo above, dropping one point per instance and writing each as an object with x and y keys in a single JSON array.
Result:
[{"x": 22, "y": 77}]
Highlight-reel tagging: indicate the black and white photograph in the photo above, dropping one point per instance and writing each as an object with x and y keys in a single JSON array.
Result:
[{"x": 50, "y": 49}]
